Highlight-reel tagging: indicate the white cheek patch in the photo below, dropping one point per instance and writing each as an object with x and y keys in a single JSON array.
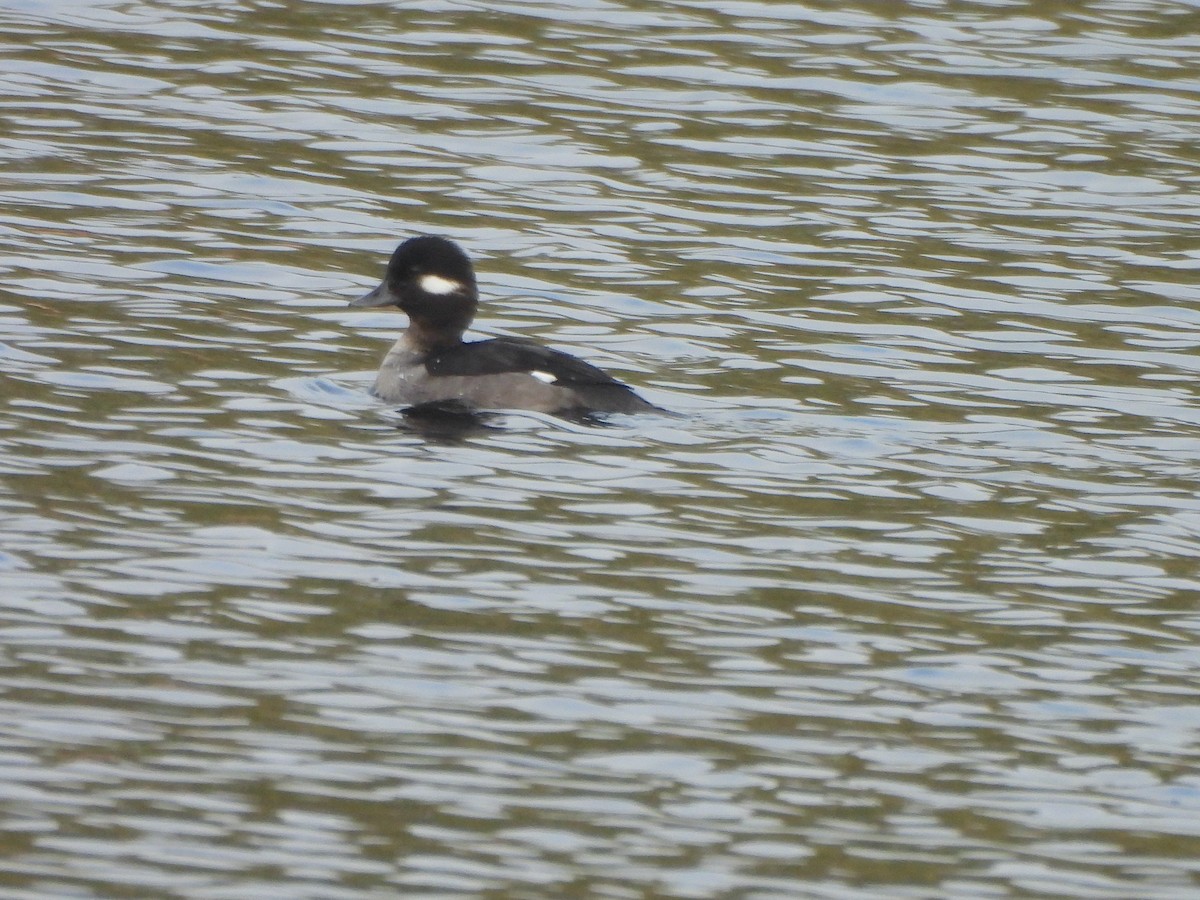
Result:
[
  {"x": 436, "y": 284},
  {"x": 544, "y": 376}
]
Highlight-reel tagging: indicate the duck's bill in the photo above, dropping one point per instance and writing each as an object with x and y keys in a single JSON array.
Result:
[{"x": 381, "y": 296}]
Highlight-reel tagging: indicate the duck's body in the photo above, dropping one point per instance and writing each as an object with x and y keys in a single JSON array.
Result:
[
  {"x": 501, "y": 374},
  {"x": 431, "y": 279}
]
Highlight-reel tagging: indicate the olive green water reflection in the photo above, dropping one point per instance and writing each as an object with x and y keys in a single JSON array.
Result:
[{"x": 903, "y": 606}]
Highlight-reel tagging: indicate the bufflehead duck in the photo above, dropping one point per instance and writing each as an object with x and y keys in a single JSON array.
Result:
[{"x": 431, "y": 279}]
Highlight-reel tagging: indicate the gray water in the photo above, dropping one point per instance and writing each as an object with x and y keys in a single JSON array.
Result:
[{"x": 904, "y": 602}]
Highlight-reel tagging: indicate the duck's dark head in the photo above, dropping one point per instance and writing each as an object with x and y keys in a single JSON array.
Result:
[{"x": 431, "y": 279}]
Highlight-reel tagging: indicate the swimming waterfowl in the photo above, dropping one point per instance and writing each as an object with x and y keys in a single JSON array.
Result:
[{"x": 432, "y": 280}]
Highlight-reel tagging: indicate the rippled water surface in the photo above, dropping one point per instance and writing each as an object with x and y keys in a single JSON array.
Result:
[{"x": 904, "y": 602}]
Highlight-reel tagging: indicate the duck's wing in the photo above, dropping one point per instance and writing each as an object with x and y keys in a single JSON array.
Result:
[
  {"x": 590, "y": 389},
  {"x": 508, "y": 355}
]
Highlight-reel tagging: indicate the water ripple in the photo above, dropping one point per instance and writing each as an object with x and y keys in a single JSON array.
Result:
[{"x": 899, "y": 605}]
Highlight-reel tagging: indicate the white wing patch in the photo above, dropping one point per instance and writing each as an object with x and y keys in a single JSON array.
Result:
[
  {"x": 436, "y": 284},
  {"x": 544, "y": 376}
]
